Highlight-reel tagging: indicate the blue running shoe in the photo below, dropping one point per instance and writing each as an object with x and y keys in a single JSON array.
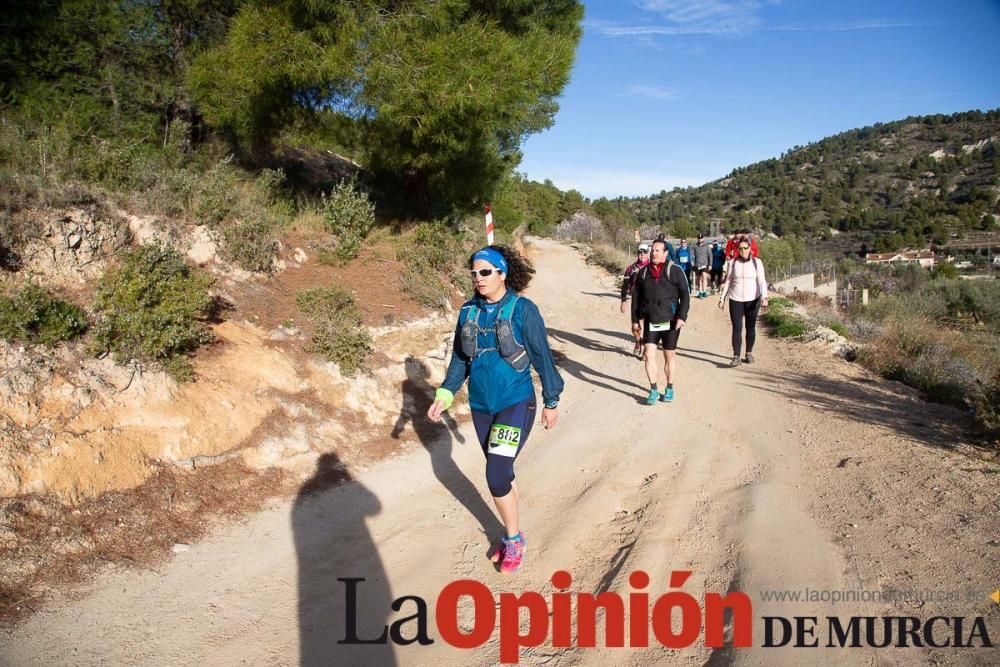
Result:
[
  {"x": 668, "y": 395},
  {"x": 653, "y": 395}
]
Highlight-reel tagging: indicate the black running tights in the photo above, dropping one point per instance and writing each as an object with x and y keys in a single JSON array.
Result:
[{"x": 740, "y": 311}]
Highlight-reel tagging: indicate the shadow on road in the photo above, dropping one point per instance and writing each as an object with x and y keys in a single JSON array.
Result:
[
  {"x": 704, "y": 355},
  {"x": 332, "y": 542},
  {"x": 418, "y": 394},
  {"x": 585, "y": 373},
  {"x": 589, "y": 375},
  {"x": 624, "y": 335},
  {"x": 864, "y": 401},
  {"x": 589, "y": 343}
]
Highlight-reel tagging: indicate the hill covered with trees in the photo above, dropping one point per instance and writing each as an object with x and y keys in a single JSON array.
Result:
[
  {"x": 911, "y": 182},
  {"x": 433, "y": 99}
]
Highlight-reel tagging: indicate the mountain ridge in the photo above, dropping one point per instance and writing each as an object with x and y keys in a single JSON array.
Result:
[{"x": 915, "y": 181}]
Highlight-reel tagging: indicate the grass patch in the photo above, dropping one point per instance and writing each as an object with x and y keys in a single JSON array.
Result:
[
  {"x": 32, "y": 315},
  {"x": 152, "y": 309},
  {"x": 339, "y": 334},
  {"x": 840, "y": 328},
  {"x": 785, "y": 322}
]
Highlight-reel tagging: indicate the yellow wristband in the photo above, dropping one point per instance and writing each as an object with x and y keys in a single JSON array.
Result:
[{"x": 443, "y": 394}]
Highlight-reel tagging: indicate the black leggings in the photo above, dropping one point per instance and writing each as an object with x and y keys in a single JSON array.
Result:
[
  {"x": 738, "y": 311},
  {"x": 502, "y": 437}
]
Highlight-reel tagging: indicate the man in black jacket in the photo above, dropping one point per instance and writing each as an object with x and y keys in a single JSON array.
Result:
[{"x": 661, "y": 298}]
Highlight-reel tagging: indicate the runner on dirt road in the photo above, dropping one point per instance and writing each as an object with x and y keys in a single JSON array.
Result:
[
  {"x": 628, "y": 281},
  {"x": 661, "y": 299},
  {"x": 498, "y": 336}
]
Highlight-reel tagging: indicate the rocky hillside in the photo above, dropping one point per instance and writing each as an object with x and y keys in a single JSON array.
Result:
[
  {"x": 110, "y": 459},
  {"x": 76, "y": 425}
]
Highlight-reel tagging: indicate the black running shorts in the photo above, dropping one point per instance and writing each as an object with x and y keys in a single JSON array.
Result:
[{"x": 668, "y": 339}]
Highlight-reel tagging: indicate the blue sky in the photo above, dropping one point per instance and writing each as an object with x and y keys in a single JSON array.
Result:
[{"x": 669, "y": 93}]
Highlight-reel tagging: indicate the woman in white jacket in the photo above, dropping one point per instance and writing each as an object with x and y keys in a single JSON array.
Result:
[{"x": 746, "y": 287}]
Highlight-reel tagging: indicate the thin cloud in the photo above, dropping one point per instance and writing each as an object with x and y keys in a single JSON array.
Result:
[
  {"x": 649, "y": 92},
  {"x": 706, "y": 16},
  {"x": 647, "y": 30},
  {"x": 724, "y": 17},
  {"x": 705, "y": 12},
  {"x": 847, "y": 27},
  {"x": 609, "y": 30}
]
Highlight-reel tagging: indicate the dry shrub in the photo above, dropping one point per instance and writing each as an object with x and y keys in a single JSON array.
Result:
[
  {"x": 942, "y": 364},
  {"x": 810, "y": 300},
  {"x": 609, "y": 258}
]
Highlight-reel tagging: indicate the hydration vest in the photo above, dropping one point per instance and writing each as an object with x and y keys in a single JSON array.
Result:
[{"x": 510, "y": 350}]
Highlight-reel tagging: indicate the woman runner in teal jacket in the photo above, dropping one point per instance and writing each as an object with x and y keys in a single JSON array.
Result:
[{"x": 498, "y": 336}]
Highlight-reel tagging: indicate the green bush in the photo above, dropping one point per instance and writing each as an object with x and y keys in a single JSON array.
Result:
[
  {"x": 786, "y": 323},
  {"x": 271, "y": 183},
  {"x": 32, "y": 315},
  {"x": 434, "y": 258},
  {"x": 152, "y": 309},
  {"x": 174, "y": 193},
  {"x": 112, "y": 164},
  {"x": 339, "y": 333},
  {"x": 944, "y": 270},
  {"x": 327, "y": 257},
  {"x": 217, "y": 196},
  {"x": 841, "y": 329},
  {"x": 349, "y": 215},
  {"x": 250, "y": 244},
  {"x": 790, "y": 328}
]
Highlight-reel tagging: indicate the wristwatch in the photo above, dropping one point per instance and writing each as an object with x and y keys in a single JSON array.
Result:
[{"x": 552, "y": 405}]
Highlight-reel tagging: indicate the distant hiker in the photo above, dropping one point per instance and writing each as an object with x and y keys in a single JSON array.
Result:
[
  {"x": 498, "y": 336},
  {"x": 628, "y": 281},
  {"x": 702, "y": 263},
  {"x": 661, "y": 299},
  {"x": 684, "y": 259},
  {"x": 746, "y": 287},
  {"x": 718, "y": 266}
]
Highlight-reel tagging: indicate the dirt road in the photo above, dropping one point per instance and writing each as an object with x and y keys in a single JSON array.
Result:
[{"x": 797, "y": 472}]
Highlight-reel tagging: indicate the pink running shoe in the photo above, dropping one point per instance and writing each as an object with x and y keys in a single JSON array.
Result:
[
  {"x": 496, "y": 553},
  {"x": 513, "y": 554}
]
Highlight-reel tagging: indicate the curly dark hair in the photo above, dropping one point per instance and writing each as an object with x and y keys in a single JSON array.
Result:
[{"x": 520, "y": 270}]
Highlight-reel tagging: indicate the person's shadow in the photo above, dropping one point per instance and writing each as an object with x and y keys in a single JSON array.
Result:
[
  {"x": 332, "y": 544},
  {"x": 418, "y": 395},
  {"x": 585, "y": 373}
]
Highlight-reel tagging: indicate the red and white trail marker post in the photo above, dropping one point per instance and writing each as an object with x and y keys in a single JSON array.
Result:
[{"x": 489, "y": 225}]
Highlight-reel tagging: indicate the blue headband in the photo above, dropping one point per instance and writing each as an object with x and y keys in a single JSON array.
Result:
[{"x": 493, "y": 257}]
